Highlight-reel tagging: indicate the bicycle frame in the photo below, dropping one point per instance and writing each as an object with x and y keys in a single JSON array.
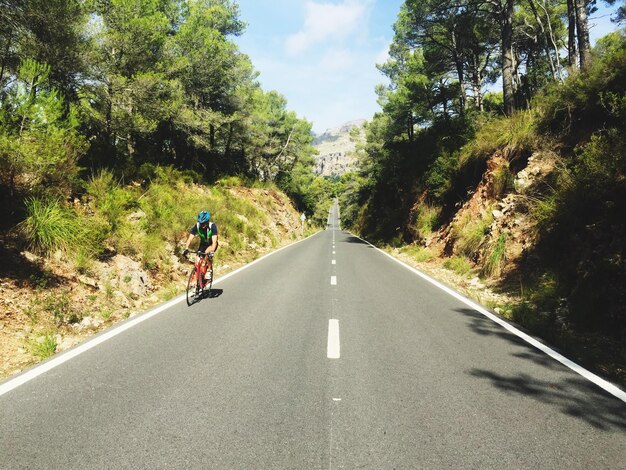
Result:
[{"x": 201, "y": 267}]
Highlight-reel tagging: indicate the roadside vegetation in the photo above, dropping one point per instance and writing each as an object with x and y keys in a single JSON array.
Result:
[
  {"x": 119, "y": 122},
  {"x": 521, "y": 191}
]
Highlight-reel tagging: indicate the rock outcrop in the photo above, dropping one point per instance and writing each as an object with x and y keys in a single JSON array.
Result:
[{"x": 337, "y": 149}]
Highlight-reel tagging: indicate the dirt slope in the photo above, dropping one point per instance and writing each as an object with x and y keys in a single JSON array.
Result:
[{"x": 46, "y": 306}]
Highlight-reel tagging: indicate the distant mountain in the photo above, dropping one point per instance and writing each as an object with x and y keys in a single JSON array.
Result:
[{"x": 337, "y": 149}]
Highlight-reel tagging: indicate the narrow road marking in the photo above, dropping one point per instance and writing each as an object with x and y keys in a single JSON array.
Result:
[
  {"x": 333, "y": 347},
  {"x": 333, "y": 280},
  {"x": 334, "y": 261}
]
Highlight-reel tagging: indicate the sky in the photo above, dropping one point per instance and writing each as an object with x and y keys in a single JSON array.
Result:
[{"x": 322, "y": 54}]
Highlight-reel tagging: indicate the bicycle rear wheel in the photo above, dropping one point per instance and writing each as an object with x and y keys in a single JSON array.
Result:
[{"x": 192, "y": 287}]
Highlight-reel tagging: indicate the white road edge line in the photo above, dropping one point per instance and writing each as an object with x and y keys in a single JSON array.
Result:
[
  {"x": 600, "y": 382},
  {"x": 115, "y": 330},
  {"x": 333, "y": 348}
]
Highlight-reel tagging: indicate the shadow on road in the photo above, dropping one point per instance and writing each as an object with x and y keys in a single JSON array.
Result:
[
  {"x": 353, "y": 239},
  {"x": 574, "y": 395},
  {"x": 213, "y": 293}
]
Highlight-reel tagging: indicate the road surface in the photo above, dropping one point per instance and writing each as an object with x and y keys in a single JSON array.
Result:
[{"x": 325, "y": 355}]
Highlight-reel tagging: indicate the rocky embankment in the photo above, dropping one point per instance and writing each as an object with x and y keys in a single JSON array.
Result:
[{"x": 46, "y": 306}]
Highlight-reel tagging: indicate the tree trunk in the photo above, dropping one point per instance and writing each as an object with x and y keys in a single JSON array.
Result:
[
  {"x": 228, "y": 141},
  {"x": 5, "y": 58},
  {"x": 552, "y": 40},
  {"x": 477, "y": 83},
  {"x": 582, "y": 26},
  {"x": 507, "y": 57},
  {"x": 108, "y": 124},
  {"x": 571, "y": 39},
  {"x": 460, "y": 72},
  {"x": 545, "y": 37}
]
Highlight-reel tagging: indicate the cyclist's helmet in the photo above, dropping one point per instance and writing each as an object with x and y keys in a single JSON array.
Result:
[{"x": 203, "y": 217}]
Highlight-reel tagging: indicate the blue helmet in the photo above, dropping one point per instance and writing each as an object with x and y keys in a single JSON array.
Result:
[{"x": 203, "y": 217}]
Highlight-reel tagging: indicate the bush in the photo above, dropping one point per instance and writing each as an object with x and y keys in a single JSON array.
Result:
[
  {"x": 427, "y": 219},
  {"x": 470, "y": 233},
  {"x": 458, "y": 264},
  {"x": 495, "y": 257},
  {"x": 503, "y": 181},
  {"x": 49, "y": 226},
  {"x": 515, "y": 135},
  {"x": 419, "y": 253}
]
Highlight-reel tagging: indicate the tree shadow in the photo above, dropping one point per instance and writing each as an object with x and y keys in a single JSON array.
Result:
[
  {"x": 353, "y": 239},
  {"x": 483, "y": 326},
  {"x": 15, "y": 266},
  {"x": 574, "y": 396}
]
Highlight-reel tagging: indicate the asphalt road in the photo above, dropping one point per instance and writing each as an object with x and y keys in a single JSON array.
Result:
[{"x": 326, "y": 354}]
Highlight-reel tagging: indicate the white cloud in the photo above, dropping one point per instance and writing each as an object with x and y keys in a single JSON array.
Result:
[
  {"x": 329, "y": 22},
  {"x": 383, "y": 54},
  {"x": 336, "y": 60}
]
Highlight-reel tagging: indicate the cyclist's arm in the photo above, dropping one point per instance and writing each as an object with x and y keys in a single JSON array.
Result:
[
  {"x": 214, "y": 244},
  {"x": 189, "y": 240}
]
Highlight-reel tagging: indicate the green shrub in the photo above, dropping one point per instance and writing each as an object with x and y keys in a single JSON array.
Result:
[
  {"x": 440, "y": 177},
  {"x": 419, "y": 253},
  {"x": 427, "y": 219},
  {"x": 44, "y": 346},
  {"x": 458, "y": 264},
  {"x": 503, "y": 181},
  {"x": 470, "y": 233},
  {"x": 495, "y": 257},
  {"x": 516, "y": 135},
  {"x": 110, "y": 199},
  {"x": 49, "y": 226}
]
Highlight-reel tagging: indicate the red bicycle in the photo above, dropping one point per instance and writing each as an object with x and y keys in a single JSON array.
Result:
[{"x": 197, "y": 286}]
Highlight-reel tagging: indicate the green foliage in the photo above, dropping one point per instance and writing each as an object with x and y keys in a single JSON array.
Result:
[
  {"x": 109, "y": 199},
  {"x": 514, "y": 136},
  {"x": 585, "y": 102},
  {"x": 427, "y": 219},
  {"x": 49, "y": 226},
  {"x": 495, "y": 256},
  {"x": 458, "y": 264},
  {"x": 580, "y": 225},
  {"x": 418, "y": 253},
  {"x": 439, "y": 178},
  {"x": 44, "y": 346},
  {"x": 60, "y": 307},
  {"x": 470, "y": 233},
  {"x": 503, "y": 181},
  {"x": 39, "y": 140}
]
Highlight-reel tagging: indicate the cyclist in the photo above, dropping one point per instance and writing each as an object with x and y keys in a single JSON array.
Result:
[{"x": 207, "y": 231}]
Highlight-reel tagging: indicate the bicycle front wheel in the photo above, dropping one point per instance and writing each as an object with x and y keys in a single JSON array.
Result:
[{"x": 192, "y": 284}]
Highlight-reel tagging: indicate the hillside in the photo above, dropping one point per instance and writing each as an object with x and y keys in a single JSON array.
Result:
[
  {"x": 337, "y": 149},
  {"x": 49, "y": 304},
  {"x": 524, "y": 213}
]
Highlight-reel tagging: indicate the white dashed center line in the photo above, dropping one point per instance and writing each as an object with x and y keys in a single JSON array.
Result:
[{"x": 333, "y": 348}]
